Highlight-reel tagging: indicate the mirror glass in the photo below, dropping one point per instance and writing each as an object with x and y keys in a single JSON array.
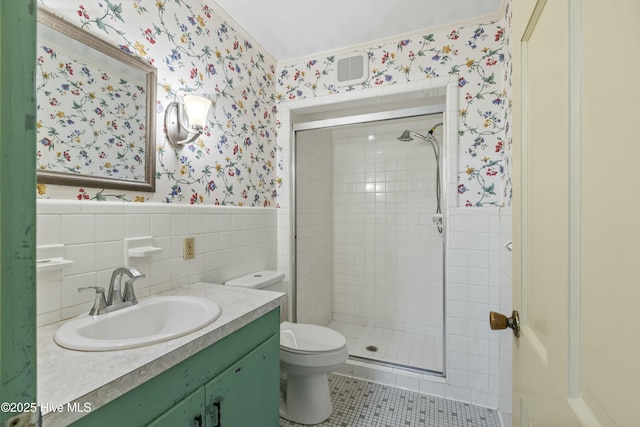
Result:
[{"x": 96, "y": 110}]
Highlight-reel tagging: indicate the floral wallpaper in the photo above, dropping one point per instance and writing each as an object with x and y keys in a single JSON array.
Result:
[
  {"x": 476, "y": 54},
  {"x": 195, "y": 52},
  {"x": 234, "y": 161},
  {"x": 507, "y": 186},
  {"x": 90, "y": 121}
]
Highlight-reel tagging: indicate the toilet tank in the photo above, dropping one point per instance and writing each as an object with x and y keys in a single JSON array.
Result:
[{"x": 266, "y": 279}]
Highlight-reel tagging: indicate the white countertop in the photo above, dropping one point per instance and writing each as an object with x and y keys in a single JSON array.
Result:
[{"x": 96, "y": 378}]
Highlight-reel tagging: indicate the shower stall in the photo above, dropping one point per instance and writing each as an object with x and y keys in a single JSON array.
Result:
[{"x": 369, "y": 246}]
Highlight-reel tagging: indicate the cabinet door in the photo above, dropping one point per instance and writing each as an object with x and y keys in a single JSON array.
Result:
[
  {"x": 248, "y": 392},
  {"x": 188, "y": 412}
]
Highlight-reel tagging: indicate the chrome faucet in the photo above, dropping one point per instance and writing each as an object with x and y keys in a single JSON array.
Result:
[
  {"x": 116, "y": 296},
  {"x": 116, "y": 299}
]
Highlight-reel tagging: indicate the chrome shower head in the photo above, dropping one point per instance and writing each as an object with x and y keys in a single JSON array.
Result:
[{"x": 406, "y": 136}]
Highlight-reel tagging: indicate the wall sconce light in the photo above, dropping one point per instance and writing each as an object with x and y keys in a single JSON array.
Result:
[{"x": 184, "y": 120}]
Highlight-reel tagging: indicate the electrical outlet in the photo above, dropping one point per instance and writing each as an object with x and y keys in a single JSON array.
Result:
[{"x": 189, "y": 248}]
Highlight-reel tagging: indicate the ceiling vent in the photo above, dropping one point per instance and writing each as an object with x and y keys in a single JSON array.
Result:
[{"x": 352, "y": 69}]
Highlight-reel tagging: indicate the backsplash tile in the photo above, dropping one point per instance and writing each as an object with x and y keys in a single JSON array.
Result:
[
  {"x": 229, "y": 242},
  {"x": 49, "y": 231},
  {"x": 78, "y": 229},
  {"x": 109, "y": 227}
]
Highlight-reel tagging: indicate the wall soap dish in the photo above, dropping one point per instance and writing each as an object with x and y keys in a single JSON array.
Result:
[
  {"x": 140, "y": 247},
  {"x": 50, "y": 257},
  {"x": 48, "y": 264}
]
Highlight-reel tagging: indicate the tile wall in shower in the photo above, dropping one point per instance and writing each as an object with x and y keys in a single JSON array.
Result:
[
  {"x": 314, "y": 227},
  {"x": 388, "y": 255}
]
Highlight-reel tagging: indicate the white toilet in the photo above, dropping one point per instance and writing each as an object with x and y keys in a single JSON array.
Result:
[{"x": 308, "y": 353}]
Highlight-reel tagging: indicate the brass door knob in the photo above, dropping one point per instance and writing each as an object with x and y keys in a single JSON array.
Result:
[{"x": 500, "y": 321}]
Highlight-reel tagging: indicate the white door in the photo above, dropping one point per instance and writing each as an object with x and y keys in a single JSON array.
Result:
[{"x": 576, "y": 109}]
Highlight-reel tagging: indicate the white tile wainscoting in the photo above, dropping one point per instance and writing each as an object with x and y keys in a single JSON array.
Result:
[
  {"x": 473, "y": 272},
  {"x": 229, "y": 242},
  {"x": 232, "y": 241}
]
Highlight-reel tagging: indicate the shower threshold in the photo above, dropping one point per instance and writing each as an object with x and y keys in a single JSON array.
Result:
[{"x": 393, "y": 365}]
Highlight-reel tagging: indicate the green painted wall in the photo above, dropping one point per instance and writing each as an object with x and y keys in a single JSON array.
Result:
[{"x": 17, "y": 202}]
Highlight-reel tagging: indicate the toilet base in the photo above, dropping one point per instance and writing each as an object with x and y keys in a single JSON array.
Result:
[{"x": 305, "y": 398}]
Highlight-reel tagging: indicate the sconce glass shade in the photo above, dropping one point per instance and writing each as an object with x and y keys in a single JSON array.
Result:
[
  {"x": 197, "y": 110},
  {"x": 184, "y": 120}
]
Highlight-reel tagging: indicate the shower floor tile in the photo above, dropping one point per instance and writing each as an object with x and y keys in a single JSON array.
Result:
[
  {"x": 421, "y": 351},
  {"x": 359, "y": 403}
]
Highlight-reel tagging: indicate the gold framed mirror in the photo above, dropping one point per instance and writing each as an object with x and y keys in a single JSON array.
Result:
[{"x": 96, "y": 110}]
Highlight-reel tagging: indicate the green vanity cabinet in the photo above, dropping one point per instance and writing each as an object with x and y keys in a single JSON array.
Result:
[
  {"x": 188, "y": 412},
  {"x": 235, "y": 382},
  {"x": 239, "y": 396}
]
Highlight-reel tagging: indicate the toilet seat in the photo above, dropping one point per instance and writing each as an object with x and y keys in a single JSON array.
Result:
[{"x": 303, "y": 338}]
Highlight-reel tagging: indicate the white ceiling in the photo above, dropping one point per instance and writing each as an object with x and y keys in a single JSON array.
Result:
[{"x": 290, "y": 29}]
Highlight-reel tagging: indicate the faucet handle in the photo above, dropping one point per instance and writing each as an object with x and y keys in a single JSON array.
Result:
[
  {"x": 100, "y": 303},
  {"x": 129, "y": 295}
]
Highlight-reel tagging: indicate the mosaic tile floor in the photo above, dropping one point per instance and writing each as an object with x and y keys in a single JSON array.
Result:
[{"x": 359, "y": 403}]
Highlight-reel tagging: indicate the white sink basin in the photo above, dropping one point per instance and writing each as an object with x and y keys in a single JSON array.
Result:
[{"x": 152, "y": 320}]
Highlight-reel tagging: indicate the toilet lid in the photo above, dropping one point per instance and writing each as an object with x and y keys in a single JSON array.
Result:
[{"x": 301, "y": 337}]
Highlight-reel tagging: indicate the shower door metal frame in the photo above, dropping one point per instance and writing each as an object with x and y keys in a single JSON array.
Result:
[{"x": 369, "y": 118}]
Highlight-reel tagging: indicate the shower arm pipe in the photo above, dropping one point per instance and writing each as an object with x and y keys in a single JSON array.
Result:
[{"x": 430, "y": 138}]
